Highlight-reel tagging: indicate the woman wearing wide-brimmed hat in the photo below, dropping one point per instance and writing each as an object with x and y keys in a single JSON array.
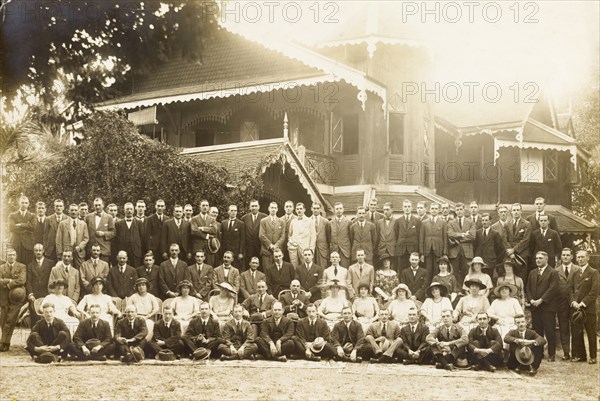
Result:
[
  {"x": 402, "y": 303},
  {"x": 65, "y": 308},
  {"x": 437, "y": 300},
  {"x": 222, "y": 304},
  {"x": 97, "y": 297},
  {"x": 185, "y": 307},
  {"x": 447, "y": 277},
  {"x": 470, "y": 305},
  {"x": 504, "y": 308},
  {"x": 475, "y": 272},
  {"x": 331, "y": 306},
  {"x": 506, "y": 275}
]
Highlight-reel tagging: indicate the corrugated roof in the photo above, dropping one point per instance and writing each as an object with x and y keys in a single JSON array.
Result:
[{"x": 352, "y": 200}]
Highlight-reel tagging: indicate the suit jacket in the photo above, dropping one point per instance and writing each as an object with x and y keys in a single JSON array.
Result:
[
  {"x": 340, "y": 335},
  {"x": 530, "y": 334},
  {"x": 340, "y": 236},
  {"x": 139, "y": 331},
  {"x": 373, "y": 217},
  {"x": 502, "y": 229},
  {"x": 252, "y": 228},
  {"x": 455, "y": 232},
  {"x": 518, "y": 237},
  {"x": 68, "y": 237},
  {"x": 152, "y": 278},
  {"x": 387, "y": 236},
  {"x": 145, "y": 222},
  {"x": 491, "y": 339},
  {"x": 287, "y": 300},
  {"x": 87, "y": 271},
  {"x": 566, "y": 283},
  {"x": 455, "y": 335},
  {"x": 235, "y": 337},
  {"x": 269, "y": 331},
  {"x": 37, "y": 277},
  {"x": 248, "y": 284},
  {"x": 323, "y": 230},
  {"x": 550, "y": 243},
  {"x": 202, "y": 229},
  {"x": 491, "y": 248},
  {"x": 434, "y": 237},
  {"x": 107, "y": 225},
  {"x": 129, "y": 239},
  {"x": 535, "y": 225},
  {"x": 356, "y": 278},
  {"x": 233, "y": 278},
  {"x": 181, "y": 236},
  {"x": 416, "y": 341},
  {"x": 408, "y": 235},
  {"x": 203, "y": 280},
  {"x": 153, "y": 226},
  {"x": 363, "y": 238},
  {"x": 585, "y": 288},
  {"x": 233, "y": 238},
  {"x": 392, "y": 330},
  {"x": 278, "y": 280},
  {"x": 72, "y": 279},
  {"x": 310, "y": 279},
  {"x": 417, "y": 283},
  {"x": 37, "y": 236},
  {"x": 271, "y": 233},
  {"x": 119, "y": 284},
  {"x": 84, "y": 333},
  {"x": 253, "y": 305},
  {"x": 169, "y": 276},
  {"x": 544, "y": 287},
  {"x": 22, "y": 236},
  {"x": 50, "y": 230},
  {"x": 11, "y": 278},
  {"x": 162, "y": 332},
  {"x": 49, "y": 334},
  {"x": 303, "y": 330},
  {"x": 211, "y": 332}
]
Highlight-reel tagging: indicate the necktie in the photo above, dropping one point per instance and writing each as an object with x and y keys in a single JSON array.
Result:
[
  {"x": 203, "y": 327},
  {"x": 413, "y": 328},
  {"x": 372, "y": 216},
  {"x": 523, "y": 334},
  {"x": 260, "y": 301},
  {"x": 484, "y": 234},
  {"x": 95, "y": 263},
  {"x": 253, "y": 219},
  {"x": 360, "y": 269},
  {"x": 253, "y": 275},
  {"x": 160, "y": 217},
  {"x": 383, "y": 330},
  {"x": 230, "y": 225},
  {"x": 238, "y": 327},
  {"x": 40, "y": 220},
  {"x": 40, "y": 264},
  {"x": 567, "y": 271},
  {"x": 447, "y": 332},
  {"x": 335, "y": 271},
  {"x": 460, "y": 223},
  {"x": 74, "y": 224},
  {"x": 94, "y": 332},
  {"x": 122, "y": 270},
  {"x": 540, "y": 270},
  {"x": 67, "y": 270}
]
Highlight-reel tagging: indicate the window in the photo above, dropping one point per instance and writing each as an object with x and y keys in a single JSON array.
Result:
[
  {"x": 204, "y": 137},
  {"x": 396, "y": 136},
  {"x": 532, "y": 166},
  {"x": 344, "y": 134},
  {"x": 550, "y": 166},
  {"x": 249, "y": 131}
]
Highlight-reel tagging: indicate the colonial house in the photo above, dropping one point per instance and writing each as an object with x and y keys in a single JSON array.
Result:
[{"x": 329, "y": 123}]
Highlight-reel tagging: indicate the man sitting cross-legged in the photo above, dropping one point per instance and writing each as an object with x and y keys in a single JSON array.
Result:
[
  {"x": 49, "y": 338},
  {"x": 92, "y": 339},
  {"x": 166, "y": 336},
  {"x": 312, "y": 339},
  {"x": 383, "y": 340},
  {"x": 239, "y": 336},
  {"x": 448, "y": 342}
]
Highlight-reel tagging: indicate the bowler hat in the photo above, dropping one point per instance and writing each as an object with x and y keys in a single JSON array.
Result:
[
  {"x": 138, "y": 354},
  {"x": 46, "y": 357},
  {"x": 95, "y": 280},
  {"x": 477, "y": 259},
  {"x": 511, "y": 287},
  {"x": 293, "y": 316},
  {"x": 256, "y": 318},
  {"x": 92, "y": 343},
  {"x": 477, "y": 282},
  {"x": 579, "y": 317},
  {"x": 317, "y": 345},
  {"x": 166, "y": 355},
  {"x": 442, "y": 287},
  {"x": 214, "y": 245},
  {"x": 524, "y": 355},
  {"x": 201, "y": 354},
  {"x": 17, "y": 295}
]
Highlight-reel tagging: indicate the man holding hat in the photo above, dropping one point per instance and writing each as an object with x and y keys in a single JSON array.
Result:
[
  {"x": 12, "y": 295},
  {"x": 448, "y": 342},
  {"x": 203, "y": 335},
  {"x": 485, "y": 344},
  {"x": 526, "y": 347},
  {"x": 382, "y": 339},
  {"x": 584, "y": 292},
  {"x": 130, "y": 333},
  {"x": 312, "y": 337},
  {"x": 259, "y": 306},
  {"x": 166, "y": 341},
  {"x": 92, "y": 339},
  {"x": 49, "y": 338},
  {"x": 238, "y": 336},
  {"x": 348, "y": 337},
  {"x": 275, "y": 341},
  {"x": 415, "y": 349},
  {"x": 295, "y": 301}
]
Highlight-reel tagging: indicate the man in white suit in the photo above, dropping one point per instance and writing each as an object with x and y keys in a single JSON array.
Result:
[
  {"x": 302, "y": 235},
  {"x": 72, "y": 234},
  {"x": 101, "y": 229}
]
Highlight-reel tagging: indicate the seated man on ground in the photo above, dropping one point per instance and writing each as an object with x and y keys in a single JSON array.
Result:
[
  {"x": 415, "y": 349},
  {"x": 166, "y": 336},
  {"x": 49, "y": 338},
  {"x": 275, "y": 341},
  {"x": 239, "y": 337},
  {"x": 485, "y": 345},
  {"x": 92, "y": 339},
  {"x": 518, "y": 340},
  {"x": 383, "y": 341},
  {"x": 203, "y": 335},
  {"x": 312, "y": 339},
  {"x": 347, "y": 337},
  {"x": 448, "y": 342},
  {"x": 130, "y": 335}
]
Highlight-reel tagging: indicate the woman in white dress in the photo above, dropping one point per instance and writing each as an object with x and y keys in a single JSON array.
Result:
[
  {"x": 437, "y": 301},
  {"x": 365, "y": 307},
  {"x": 475, "y": 272},
  {"x": 402, "y": 303},
  {"x": 97, "y": 297},
  {"x": 65, "y": 308},
  {"x": 469, "y": 306},
  {"x": 331, "y": 306},
  {"x": 185, "y": 307},
  {"x": 505, "y": 308},
  {"x": 145, "y": 303},
  {"x": 222, "y": 305}
]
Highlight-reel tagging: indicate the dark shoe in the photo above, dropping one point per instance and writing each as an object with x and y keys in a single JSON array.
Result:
[
  {"x": 491, "y": 368},
  {"x": 450, "y": 367},
  {"x": 315, "y": 358},
  {"x": 518, "y": 369},
  {"x": 566, "y": 357},
  {"x": 252, "y": 357},
  {"x": 3, "y": 347},
  {"x": 408, "y": 362},
  {"x": 552, "y": 358},
  {"x": 259, "y": 357},
  {"x": 358, "y": 359},
  {"x": 476, "y": 368},
  {"x": 386, "y": 359},
  {"x": 592, "y": 361},
  {"x": 532, "y": 371},
  {"x": 374, "y": 360},
  {"x": 438, "y": 365},
  {"x": 282, "y": 358},
  {"x": 100, "y": 358},
  {"x": 224, "y": 358}
]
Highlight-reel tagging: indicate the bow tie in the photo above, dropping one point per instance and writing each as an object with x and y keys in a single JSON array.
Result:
[{"x": 128, "y": 220}]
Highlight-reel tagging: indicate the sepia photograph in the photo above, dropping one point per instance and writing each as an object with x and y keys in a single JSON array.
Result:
[{"x": 299, "y": 200}]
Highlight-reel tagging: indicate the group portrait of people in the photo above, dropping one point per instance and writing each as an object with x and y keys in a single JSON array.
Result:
[{"x": 443, "y": 286}]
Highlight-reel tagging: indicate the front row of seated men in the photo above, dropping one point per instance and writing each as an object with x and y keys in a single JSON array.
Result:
[{"x": 281, "y": 338}]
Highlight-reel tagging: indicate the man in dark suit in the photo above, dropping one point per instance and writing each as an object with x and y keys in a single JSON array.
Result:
[
  {"x": 461, "y": 234},
  {"x": 38, "y": 275},
  {"x": 524, "y": 337},
  {"x": 276, "y": 332},
  {"x": 92, "y": 328},
  {"x": 49, "y": 335},
  {"x": 501, "y": 226},
  {"x": 203, "y": 332},
  {"x": 149, "y": 270},
  {"x": 348, "y": 337},
  {"x": 12, "y": 280},
  {"x": 252, "y": 224},
  {"x": 382, "y": 340},
  {"x": 129, "y": 236},
  {"x": 485, "y": 344},
  {"x": 414, "y": 349},
  {"x": 387, "y": 235},
  {"x": 363, "y": 236},
  {"x": 204, "y": 227},
  {"x": 250, "y": 278},
  {"x": 280, "y": 275},
  {"x": 408, "y": 229},
  {"x": 51, "y": 227},
  {"x": 433, "y": 239},
  {"x": 176, "y": 231},
  {"x": 260, "y": 305},
  {"x": 93, "y": 267},
  {"x": 166, "y": 335},
  {"x": 488, "y": 245},
  {"x": 239, "y": 337},
  {"x": 201, "y": 276},
  {"x": 20, "y": 225},
  {"x": 323, "y": 230},
  {"x": 39, "y": 224},
  {"x": 171, "y": 272},
  {"x": 340, "y": 236},
  {"x": 154, "y": 225},
  {"x": 101, "y": 230},
  {"x": 542, "y": 292},
  {"x": 140, "y": 215},
  {"x": 547, "y": 240},
  {"x": 130, "y": 331},
  {"x": 416, "y": 278},
  {"x": 121, "y": 278},
  {"x": 475, "y": 217},
  {"x": 584, "y": 292},
  {"x": 233, "y": 237},
  {"x": 72, "y": 234},
  {"x": 565, "y": 270},
  {"x": 517, "y": 235},
  {"x": 272, "y": 235},
  {"x": 309, "y": 274},
  {"x": 448, "y": 342},
  {"x": 308, "y": 329},
  {"x": 294, "y": 301},
  {"x": 534, "y": 219}
]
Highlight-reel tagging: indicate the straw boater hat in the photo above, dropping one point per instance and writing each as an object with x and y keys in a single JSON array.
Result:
[
  {"x": 182, "y": 283},
  {"x": 512, "y": 288},
  {"x": 477, "y": 259},
  {"x": 524, "y": 355},
  {"x": 227, "y": 286},
  {"x": 402, "y": 287},
  {"x": 442, "y": 287},
  {"x": 477, "y": 282}
]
